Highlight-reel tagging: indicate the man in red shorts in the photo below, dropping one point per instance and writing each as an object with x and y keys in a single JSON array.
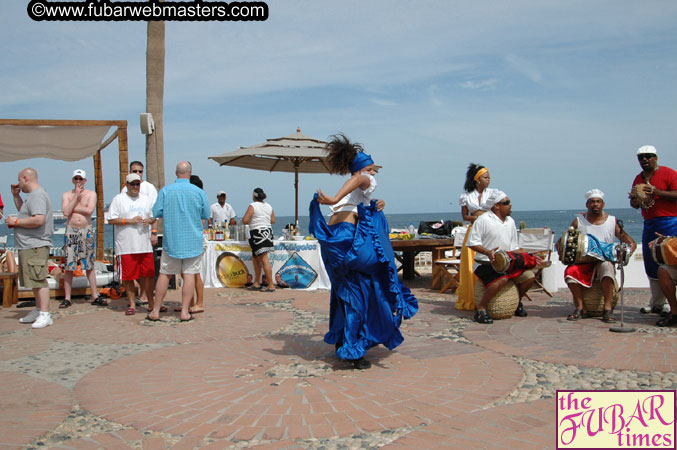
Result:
[{"x": 132, "y": 215}]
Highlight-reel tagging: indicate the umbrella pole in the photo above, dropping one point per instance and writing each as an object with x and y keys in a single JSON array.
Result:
[{"x": 296, "y": 189}]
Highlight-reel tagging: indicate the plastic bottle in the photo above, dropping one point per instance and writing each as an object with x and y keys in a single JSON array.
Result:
[{"x": 412, "y": 230}]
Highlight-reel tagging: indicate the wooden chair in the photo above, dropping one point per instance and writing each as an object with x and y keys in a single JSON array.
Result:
[
  {"x": 538, "y": 241},
  {"x": 449, "y": 267}
]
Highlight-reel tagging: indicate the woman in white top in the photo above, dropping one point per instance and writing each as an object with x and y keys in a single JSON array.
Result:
[
  {"x": 367, "y": 302},
  {"x": 473, "y": 204},
  {"x": 260, "y": 216}
]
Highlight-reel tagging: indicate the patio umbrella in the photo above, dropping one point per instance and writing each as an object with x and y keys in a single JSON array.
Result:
[{"x": 294, "y": 153}]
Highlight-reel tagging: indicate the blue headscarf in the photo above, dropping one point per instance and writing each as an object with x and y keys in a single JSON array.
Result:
[{"x": 361, "y": 161}]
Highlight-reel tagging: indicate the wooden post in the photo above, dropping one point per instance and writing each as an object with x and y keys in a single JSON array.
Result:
[
  {"x": 124, "y": 157},
  {"x": 100, "y": 220}
]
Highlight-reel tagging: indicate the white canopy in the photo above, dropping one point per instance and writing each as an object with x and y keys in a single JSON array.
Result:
[{"x": 70, "y": 143}]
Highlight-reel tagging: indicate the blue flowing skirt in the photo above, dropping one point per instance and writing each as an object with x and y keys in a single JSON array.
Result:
[{"x": 368, "y": 302}]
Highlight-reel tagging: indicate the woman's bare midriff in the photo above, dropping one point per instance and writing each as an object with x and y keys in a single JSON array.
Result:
[{"x": 343, "y": 216}]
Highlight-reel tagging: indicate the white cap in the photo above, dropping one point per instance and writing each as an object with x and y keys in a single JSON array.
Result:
[
  {"x": 647, "y": 149},
  {"x": 133, "y": 177},
  {"x": 220, "y": 193},
  {"x": 594, "y": 193},
  {"x": 495, "y": 197},
  {"x": 79, "y": 173}
]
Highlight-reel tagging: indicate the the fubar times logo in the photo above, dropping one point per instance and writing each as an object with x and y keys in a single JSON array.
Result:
[{"x": 616, "y": 419}]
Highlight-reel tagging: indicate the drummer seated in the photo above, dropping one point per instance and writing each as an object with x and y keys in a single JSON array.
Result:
[
  {"x": 603, "y": 226},
  {"x": 491, "y": 232}
]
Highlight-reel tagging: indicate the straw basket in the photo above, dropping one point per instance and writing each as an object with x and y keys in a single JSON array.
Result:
[
  {"x": 504, "y": 304},
  {"x": 593, "y": 299}
]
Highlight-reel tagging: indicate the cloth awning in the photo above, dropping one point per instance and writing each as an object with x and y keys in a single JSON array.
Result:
[{"x": 71, "y": 143}]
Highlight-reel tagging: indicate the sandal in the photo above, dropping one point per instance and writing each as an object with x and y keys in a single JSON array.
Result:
[
  {"x": 99, "y": 302},
  {"x": 670, "y": 321},
  {"x": 66, "y": 303},
  {"x": 483, "y": 317},
  {"x": 575, "y": 315},
  {"x": 607, "y": 317},
  {"x": 130, "y": 312}
]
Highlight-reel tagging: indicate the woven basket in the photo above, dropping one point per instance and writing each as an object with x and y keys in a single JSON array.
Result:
[
  {"x": 504, "y": 304},
  {"x": 593, "y": 299}
]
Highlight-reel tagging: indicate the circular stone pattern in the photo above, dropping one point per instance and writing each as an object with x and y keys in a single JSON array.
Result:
[
  {"x": 290, "y": 387},
  {"x": 31, "y": 407},
  {"x": 220, "y": 322}
]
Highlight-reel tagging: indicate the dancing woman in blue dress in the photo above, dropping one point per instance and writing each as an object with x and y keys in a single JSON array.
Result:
[{"x": 368, "y": 302}]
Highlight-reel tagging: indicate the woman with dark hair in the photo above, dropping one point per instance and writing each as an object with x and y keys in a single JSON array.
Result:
[
  {"x": 260, "y": 217},
  {"x": 368, "y": 302},
  {"x": 473, "y": 204}
]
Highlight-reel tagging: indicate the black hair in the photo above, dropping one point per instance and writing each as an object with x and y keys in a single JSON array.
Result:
[
  {"x": 341, "y": 152},
  {"x": 194, "y": 179},
  {"x": 473, "y": 168},
  {"x": 135, "y": 163},
  {"x": 259, "y": 195}
]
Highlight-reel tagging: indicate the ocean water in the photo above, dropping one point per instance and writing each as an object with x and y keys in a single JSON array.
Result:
[{"x": 557, "y": 220}]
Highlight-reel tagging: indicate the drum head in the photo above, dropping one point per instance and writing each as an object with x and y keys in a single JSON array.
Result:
[{"x": 501, "y": 262}]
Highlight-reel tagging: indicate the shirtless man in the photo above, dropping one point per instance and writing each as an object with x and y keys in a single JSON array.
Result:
[{"x": 78, "y": 205}]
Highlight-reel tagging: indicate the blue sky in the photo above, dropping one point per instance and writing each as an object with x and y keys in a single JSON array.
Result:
[{"x": 554, "y": 97}]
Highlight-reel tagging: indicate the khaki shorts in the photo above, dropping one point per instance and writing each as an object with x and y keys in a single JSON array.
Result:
[
  {"x": 33, "y": 267},
  {"x": 173, "y": 266},
  {"x": 671, "y": 270},
  {"x": 524, "y": 276}
]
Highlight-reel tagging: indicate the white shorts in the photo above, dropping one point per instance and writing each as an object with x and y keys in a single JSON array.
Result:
[{"x": 173, "y": 266}]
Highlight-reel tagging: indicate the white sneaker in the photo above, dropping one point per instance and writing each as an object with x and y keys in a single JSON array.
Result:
[
  {"x": 43, "y": 320},
  {"x": 31, "y": 316},
  {"x": 666, "y": 310}
]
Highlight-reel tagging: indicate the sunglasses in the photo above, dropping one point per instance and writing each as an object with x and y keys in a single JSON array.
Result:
[
  {"x": 137, "y": 171},
  {"x": 645, "y": 156},
  {"x": 505, "y": 202},
  {"x": 78, "y": 178},
  {"x": 135, "y": 184}
]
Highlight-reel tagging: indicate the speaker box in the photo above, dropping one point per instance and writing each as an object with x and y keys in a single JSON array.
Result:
[{"x": 147, "y": 124}]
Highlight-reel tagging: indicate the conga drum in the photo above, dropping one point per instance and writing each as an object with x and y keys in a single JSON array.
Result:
[
  {"x": 502, "y": 261},
  {"x": 593, "y": 299},
  {"x": 580, "y": 248},
  {"x": 504, "y": 304},
  {"x": 664, "y": 250}
]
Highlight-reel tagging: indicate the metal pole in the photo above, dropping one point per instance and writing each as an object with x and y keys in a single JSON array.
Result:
[{"x": 296, "y": 189}]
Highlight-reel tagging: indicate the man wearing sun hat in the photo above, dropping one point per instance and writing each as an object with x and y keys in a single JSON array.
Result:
[
  {"x": 493, "y": 231},
  {"x": 221, "y": 211},
  {"x": 654, "y": 190},
  {"x": 132, "y": 215},
  {"x": 603, "y": 226},
  {"x": 78, "y": 205}
]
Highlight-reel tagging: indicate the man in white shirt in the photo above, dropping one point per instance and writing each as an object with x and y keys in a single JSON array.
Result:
[
  {"x": 493, "y": 231},
  {"x": 132, "y": 215},
  {"x": 147, "y": 188},
  {"x": 600, "y": 224},
  {"x": 221, "y": 211}
]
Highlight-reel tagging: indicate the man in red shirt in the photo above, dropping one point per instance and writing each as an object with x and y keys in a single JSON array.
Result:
[{"x": 657, "y": 196}]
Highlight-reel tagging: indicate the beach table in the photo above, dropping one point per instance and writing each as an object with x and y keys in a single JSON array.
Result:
[
  {"x": 410, "y": 248},
  {"x": 299, "y": 264}
]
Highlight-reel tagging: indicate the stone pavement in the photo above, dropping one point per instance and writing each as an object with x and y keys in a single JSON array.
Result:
[{"x": 253, "y": 372}]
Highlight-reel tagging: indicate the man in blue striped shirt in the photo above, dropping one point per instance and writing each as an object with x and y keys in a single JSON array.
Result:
[{"x": 182, "y": 206}]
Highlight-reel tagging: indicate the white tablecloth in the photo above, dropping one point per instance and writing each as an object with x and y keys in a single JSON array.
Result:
[{"x": 298, "y": 263}]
